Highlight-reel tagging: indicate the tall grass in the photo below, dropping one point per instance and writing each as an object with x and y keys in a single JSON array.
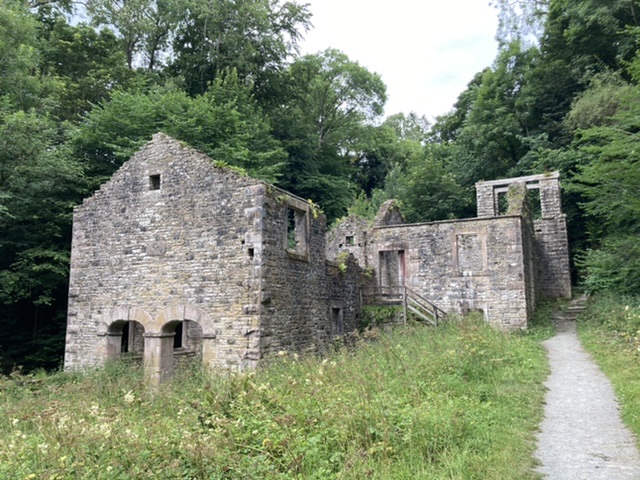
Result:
[
  {"x": 610, "y": 331},
  {"x": 457, "y": 402}
]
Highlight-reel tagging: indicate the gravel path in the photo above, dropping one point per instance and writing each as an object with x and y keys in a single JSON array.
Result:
[{"x": 582, "y": 436}]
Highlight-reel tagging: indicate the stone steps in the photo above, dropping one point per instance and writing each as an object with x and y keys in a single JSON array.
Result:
[{"x": 575, "y": 308}]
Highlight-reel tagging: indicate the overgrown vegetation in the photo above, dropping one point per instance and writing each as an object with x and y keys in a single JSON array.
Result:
[
  {"x": 461, "y": 402},
  {"x": 610, "y": 331}
]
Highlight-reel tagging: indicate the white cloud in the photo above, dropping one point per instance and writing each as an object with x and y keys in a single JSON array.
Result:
[{"x": 425, "y": 51}]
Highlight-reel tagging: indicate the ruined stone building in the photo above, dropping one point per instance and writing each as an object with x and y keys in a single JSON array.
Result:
[{"x": 174, "y": 258}]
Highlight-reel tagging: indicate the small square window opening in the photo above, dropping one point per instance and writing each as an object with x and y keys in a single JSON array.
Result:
[
  {"x": 154, "y": 182},
  {"x": 350, "y": 240}
]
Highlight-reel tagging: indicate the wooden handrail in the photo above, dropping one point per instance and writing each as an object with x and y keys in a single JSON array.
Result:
[{"x": 410, "y": 299}]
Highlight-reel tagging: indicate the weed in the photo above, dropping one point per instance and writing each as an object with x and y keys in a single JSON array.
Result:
[{"x": 459, "y": 401}]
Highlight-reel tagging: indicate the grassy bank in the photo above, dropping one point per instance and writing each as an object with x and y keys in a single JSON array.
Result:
[
  {"x": 457, "y": 402},
  {"x": 610, "y": 331}
]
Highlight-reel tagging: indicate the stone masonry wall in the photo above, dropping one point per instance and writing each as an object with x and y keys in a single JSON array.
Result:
[
  {"x": 349, "y": 236},
  {"x": 294, "y": 309},
  {"x": 552, "y": 258},
  {"x": 166, "y": 239},
  {"x": 343, "y": 291},
  {"x": 518, "y": 204},
  {"x": 463, "y": 265}
]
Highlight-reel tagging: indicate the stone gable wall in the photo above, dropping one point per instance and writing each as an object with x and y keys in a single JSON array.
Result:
[
  {"x": 180, "y": 248},
  {"x": 349, "y": 236}
]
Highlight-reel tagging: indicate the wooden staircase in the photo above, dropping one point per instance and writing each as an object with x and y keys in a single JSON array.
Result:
[{"x": 412, "y": 303}]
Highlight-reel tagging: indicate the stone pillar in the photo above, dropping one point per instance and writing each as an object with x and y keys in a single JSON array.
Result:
[
  {"x": 111, "y": 346},
  {"x": 158, "y": 356},
  {"x": 550, "y": 197},
  {"x": 485, "y": 199},
  {"x": 209, "y": 350}
]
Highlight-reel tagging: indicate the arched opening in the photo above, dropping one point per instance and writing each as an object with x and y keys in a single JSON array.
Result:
[
  {"x": 187, "y": 341},
  {"x": 125, "y": 339}
]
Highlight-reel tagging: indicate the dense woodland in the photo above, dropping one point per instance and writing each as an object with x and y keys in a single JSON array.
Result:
[{"x": 226, "y": 76}]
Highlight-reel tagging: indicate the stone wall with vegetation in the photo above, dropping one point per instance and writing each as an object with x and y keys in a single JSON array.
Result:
[
  {"x": 550, "y": 227},
  {"x": 294, "y": 305},
  {"x": 463, "y": 265},
  {"x": 167, "y": 239}
]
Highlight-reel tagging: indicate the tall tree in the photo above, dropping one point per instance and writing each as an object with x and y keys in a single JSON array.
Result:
[
  {"x": 331, "y": 100},
  {"x": 254, "y": 37},
  {"x": 225, "y": 123}
]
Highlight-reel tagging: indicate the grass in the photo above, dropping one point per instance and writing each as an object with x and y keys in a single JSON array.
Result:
[
  {"x": 610, "y": 331},
  {"x": 458, "y": 402}
]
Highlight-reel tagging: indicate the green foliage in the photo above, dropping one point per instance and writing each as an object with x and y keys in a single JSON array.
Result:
[
  {"x": 253, "y": 37},
  {"x": 329, "y": 101},
  {"x": 607, "y": 179},
  {"x": 373, "y": 316},
  {"x": 610, "y": 331},
  {"x": 225, "y": 123},
  {"x": 86, "y": 64},
  {"x": 461, "y": 401}
]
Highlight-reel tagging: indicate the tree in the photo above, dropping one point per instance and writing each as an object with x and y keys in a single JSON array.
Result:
[
  {"x": 87, "y": 65},
  {"x": 225, "y": 123},
  {"x": 254, "y": 37},
  {"x": 145, "y": 27},
  {"x": 331, "y": 103},
  {"x": 520, "y": 20},
  {"x": 487, "y": 134},
  {"x": 608, "y": 177}
]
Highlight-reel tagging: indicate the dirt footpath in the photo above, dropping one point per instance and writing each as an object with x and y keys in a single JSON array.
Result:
[{"x": 582, "y": 436}]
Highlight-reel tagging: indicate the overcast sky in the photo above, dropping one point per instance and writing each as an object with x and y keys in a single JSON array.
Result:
[{"x": 425, "y": 50}]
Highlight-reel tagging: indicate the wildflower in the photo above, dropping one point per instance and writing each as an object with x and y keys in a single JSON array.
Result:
[
  {"x": 15, "y": 421},
  {"x": 129, "y": 397},
  {"x": 282, "y": 353}
]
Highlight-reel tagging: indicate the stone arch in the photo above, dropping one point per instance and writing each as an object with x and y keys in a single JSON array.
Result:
[
  {"x": 113, "y": 325},
  {"x": 199, "y": 335}
]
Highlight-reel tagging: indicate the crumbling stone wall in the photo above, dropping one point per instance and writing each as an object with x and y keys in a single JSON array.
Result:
[
  {"x": 172, "y": 243},
  {"x": 518, "y": 204},
  {"x": 463, "y": 265},
  {"x": 294, "y": 304},
  {"x": 241, "y": 269},
  {"x": 552, "y": 257},
  {"x": 349, "y": 237},
  {"x": 344, "y": 281}
]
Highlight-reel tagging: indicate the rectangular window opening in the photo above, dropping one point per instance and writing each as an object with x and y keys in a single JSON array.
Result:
[
  {"x": 154, "y": 182},
  {"x": 251, "y": 252},
  {"x": 502, "y": 203},
  {"x": 534, "y": 202},
  {"x": 337, "y": 320},
  {"x": 350, "y": 240},
  {"x": 296, "y": 239},
  {"x": 292, "y": 240}
]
